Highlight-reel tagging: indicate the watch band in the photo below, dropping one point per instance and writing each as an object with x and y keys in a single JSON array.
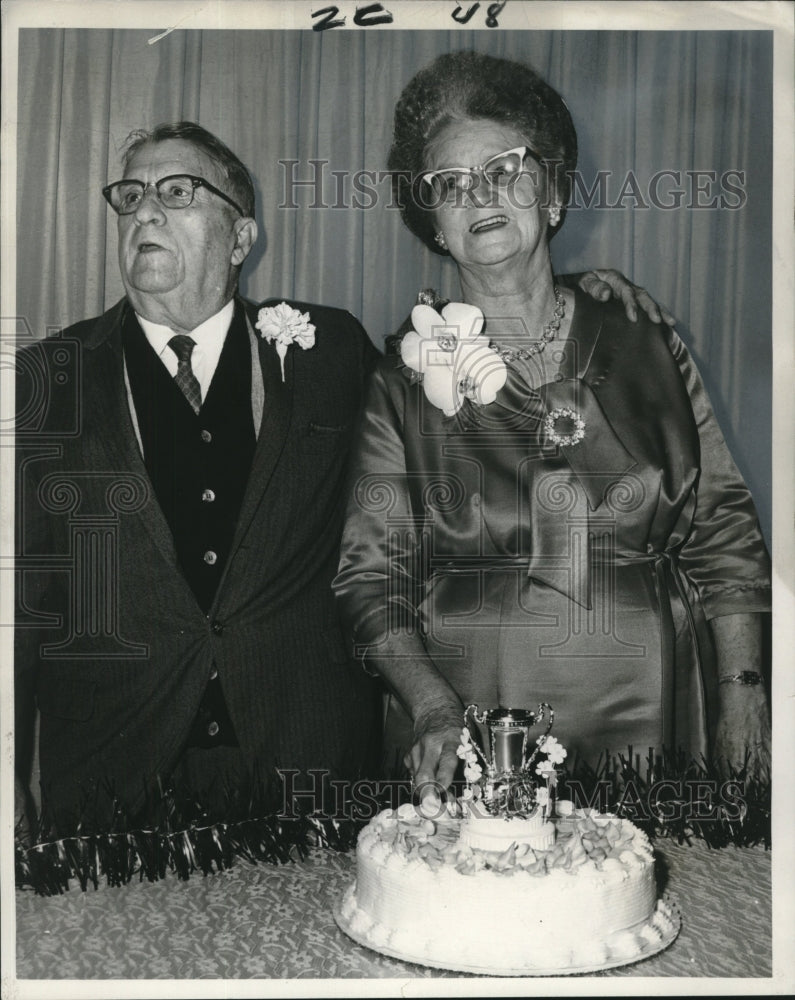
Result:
[{"x": 749, "y": 678}]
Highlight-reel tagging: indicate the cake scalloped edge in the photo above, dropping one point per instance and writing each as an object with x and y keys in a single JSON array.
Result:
[{"x": 635, "y": 945}]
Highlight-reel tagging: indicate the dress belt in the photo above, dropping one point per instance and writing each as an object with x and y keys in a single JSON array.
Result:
[
  {"x": 682, "y": 680},
  {"x": 467, "y": 564},
  {"x": 470, "y": 564}
]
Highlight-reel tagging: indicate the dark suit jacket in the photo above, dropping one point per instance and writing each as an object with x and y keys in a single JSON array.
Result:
[{"x": 110, "y": 637}]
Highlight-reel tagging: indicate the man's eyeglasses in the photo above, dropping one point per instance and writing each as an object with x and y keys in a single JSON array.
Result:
[
  {"x": 174, "y": 191},
  {"x": 498, "y": 171}
]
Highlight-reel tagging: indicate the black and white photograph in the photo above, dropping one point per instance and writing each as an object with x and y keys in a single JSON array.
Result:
[{"x": 397, "y": 488}]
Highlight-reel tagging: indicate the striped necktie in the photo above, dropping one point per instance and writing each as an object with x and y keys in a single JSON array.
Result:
[{"x": 182, "y": 346}]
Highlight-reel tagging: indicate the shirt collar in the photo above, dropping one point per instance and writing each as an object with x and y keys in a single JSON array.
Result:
[{"x": 209, "y": 335}]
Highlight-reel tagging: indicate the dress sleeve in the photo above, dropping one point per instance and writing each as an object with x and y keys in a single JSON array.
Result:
[
  {"x": 725, "y": 556},
  {"x": 377, "y": 580}
]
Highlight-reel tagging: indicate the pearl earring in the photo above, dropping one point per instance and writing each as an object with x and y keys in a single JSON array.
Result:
[
  {"x": 440, "y": 240},
  {"x": 554, "y": 215}
]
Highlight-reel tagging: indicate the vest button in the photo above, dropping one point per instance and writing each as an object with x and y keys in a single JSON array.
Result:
[
  {"x": 217, "y": 628},
  {"x": 212, "y": 729},
  {"x": 208, "y": 496},
  {"x": 210, "y": 557},
  {"x": 206, "y": 437}
]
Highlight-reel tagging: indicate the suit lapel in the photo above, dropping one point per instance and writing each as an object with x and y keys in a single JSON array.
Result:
[
  {"x": 277, "y": 413},
  {"x": 106, "y": 396}
]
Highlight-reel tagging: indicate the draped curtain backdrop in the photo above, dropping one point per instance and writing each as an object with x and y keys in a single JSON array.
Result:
[{"x": 642, "y": 102}]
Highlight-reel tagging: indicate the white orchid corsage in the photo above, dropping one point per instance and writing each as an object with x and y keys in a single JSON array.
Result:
[
  {"x": 284, "y": 325},
  {"x": 452, "y": 355}
]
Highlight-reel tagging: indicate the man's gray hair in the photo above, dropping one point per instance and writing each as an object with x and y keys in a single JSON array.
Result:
[{"x": 241, "y": 187}]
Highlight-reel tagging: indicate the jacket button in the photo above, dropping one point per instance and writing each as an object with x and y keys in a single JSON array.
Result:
[
  {"x": 214, "y": 671},
  {"x": 206, "y": 437},
  {"x": 210, "y": 557},
  {"x": 217, "y": 628},
  {"x": 208, "y": 496},
  {"x": 212, "y": 729}
]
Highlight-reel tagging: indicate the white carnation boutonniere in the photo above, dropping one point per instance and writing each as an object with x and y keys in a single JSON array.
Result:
[
  {"x": 283, "y": 326},
  {"x": 453, "y": 357}
]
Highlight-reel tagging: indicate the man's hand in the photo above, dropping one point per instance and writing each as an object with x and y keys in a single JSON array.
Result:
[
  {"x": 603, "y": 284},
  {"x": 432, "y": 759}
]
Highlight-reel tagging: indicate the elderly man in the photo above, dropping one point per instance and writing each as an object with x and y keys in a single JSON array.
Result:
[
  {"x": 181, "y": 461},
  {"x": 203, "y": 638}
]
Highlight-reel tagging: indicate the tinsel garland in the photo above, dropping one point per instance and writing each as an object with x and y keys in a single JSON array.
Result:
[
  {"x": 118, "y": 858},
  {"x": 176, "y": 832},
  {"x": 674, "y": 795},
  {"x": 656, "y": 793}
]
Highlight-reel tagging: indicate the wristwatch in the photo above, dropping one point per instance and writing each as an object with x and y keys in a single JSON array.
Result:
[{"x": 750, "y": 678}]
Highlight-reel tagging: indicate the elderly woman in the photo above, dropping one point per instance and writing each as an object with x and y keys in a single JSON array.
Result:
[{"x": 543, "y": 506}]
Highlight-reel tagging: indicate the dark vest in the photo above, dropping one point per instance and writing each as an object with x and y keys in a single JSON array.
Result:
[{"x": 199, "y": 466}]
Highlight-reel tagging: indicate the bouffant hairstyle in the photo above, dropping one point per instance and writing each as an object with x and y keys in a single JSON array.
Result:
[
  {"x": 462, "y": 85},
  {"x": 233, "y": 169}
]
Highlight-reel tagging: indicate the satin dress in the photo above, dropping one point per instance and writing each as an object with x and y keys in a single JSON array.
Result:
[{"x": 581, "y": 575}]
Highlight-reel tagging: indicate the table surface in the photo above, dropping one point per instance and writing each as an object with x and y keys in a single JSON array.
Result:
[{"x": 263, "y": 921}]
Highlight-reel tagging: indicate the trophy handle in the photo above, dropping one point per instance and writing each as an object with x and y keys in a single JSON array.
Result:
[{"x": 545, "y": 711}]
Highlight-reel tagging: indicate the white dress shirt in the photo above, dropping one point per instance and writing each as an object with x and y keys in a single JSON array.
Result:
[{"x": 209, "y": 337}]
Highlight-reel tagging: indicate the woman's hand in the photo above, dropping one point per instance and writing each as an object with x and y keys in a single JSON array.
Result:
[
  {"x": 436, "y": 710},
  {"x": 432, "y": 759},
  {"x": 603, "y": 284},
  {"x": 743, "y": 730},
  {"x": 743, "y": 720}
]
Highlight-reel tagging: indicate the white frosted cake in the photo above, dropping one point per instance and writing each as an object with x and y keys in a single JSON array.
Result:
[
  {"x": 589, "y": 901},
  {"x": 503, "y": 881}
]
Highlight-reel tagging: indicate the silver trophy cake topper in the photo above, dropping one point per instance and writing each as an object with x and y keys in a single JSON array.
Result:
[{"x": 510, "y": 786}]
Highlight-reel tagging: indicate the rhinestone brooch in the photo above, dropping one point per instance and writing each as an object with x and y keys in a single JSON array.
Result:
[{"x": 564, "y": 426}]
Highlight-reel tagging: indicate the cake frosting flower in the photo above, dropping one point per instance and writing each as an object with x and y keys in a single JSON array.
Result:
[
  {"x": 473, "y": 772},
  {"x": 556, "y": 753},
  {"x": 465, "y": 750},
  {"x": 453, "y": 357},
  {"x": 545, "y": 769}
]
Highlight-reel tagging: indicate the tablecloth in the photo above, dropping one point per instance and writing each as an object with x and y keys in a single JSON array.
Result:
[{"x": 276, "y": 922}]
